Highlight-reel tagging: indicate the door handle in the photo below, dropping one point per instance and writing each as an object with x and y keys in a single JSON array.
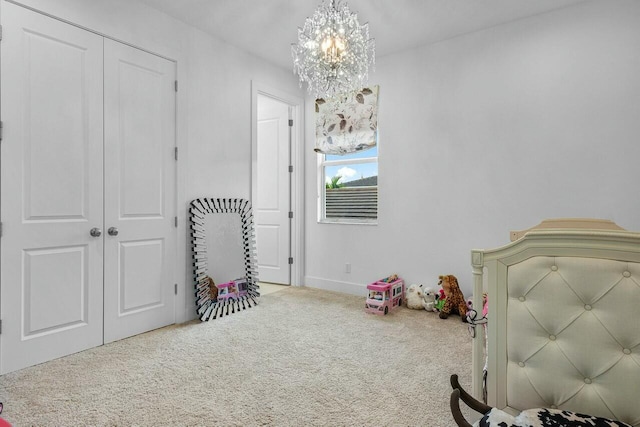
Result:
[
  {"x": 112, "y": 231},
  {"x": 95, "y": 232}
]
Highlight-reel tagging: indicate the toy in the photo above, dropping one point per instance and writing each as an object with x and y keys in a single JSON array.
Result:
[
  {"x": 485, "y": 304},
  {"x": 227, "y": 291},
  {"x": 440, "y": 299},
  {"x": 389, "y": 279},
  {"x": 455, "y": 302},
  {"x": 213, "y": 289},
  {"x": 415, "y": 298},
  {"x": 384, "y": 295},
  {"x": 242, "y": 286},
  {"x": 429, "y": 298},
  {"x": 3, "y": 423}
]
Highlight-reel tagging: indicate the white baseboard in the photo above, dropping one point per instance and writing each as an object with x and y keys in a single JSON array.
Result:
[{"x": 332, "y": 285}]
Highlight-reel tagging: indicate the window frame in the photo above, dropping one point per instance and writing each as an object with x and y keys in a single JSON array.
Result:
[{"x": 323, "y": 163}]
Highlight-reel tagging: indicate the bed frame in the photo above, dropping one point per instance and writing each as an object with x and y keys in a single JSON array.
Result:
[{"x": 563, "y": 320}]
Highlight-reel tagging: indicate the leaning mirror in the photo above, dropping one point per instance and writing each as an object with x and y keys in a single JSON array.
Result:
[{"x": 224, "y": 261}]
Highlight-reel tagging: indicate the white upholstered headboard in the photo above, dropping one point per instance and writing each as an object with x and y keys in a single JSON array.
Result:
[{"x": 564, "y": 322}]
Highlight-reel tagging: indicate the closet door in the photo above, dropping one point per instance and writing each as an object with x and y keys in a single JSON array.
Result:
[
  {"x": 51, "y": 292},
  {"x": 140, "y": 167}
]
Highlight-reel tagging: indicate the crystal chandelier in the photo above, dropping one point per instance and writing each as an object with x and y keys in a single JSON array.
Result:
[{"x": 334, "y": 51}]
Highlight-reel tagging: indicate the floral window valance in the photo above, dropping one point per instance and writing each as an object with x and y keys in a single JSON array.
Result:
[{"x": 347, "y": 123}]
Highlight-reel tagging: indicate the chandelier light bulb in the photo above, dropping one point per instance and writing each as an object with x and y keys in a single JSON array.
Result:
[
  {"x": 326, "y": 44},
  {"x": 330, "y": 58}
]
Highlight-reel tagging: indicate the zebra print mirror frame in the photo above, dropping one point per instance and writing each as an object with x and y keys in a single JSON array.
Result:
[{"x": 207, "y": 306}]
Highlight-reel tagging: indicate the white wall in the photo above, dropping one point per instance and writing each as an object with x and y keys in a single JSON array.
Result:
[
  {"x": 220, "y": 114},
  {"x": 491, "y": 132},
  {"x": 213, "y": 104},
  {"x": 480, "y": 134}
]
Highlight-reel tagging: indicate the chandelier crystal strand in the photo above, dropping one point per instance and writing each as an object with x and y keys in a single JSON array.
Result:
[{"x": 334, "y": 51}]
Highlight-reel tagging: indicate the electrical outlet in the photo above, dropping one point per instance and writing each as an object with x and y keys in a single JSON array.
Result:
[{"x": 347, "y": 268}]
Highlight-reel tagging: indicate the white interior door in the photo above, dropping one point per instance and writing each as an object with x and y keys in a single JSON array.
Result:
[
  {"x": 273, "y": 202},
  {"x": 139, "y": 192},
  {"x": 51, "y": 196}
]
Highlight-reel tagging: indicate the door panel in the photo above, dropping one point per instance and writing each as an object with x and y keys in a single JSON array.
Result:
[
  {"x": 140, "y": 101},
  {"x": 52, "y": 179},
  {"x": 47, "y": 60},
  {"x": 272, "y": 207},
  {"x": 141, "y": 267},
  {"x": 269, "y": 259},
  {"x": 54, "y": 277},
  {"x": 140, "y": 195}
]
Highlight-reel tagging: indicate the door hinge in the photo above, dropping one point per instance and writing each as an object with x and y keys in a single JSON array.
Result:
[
  {"x": 1, "y": 130},
  {"x": 175, "y": 289},
  {"x": 290, "y": 214},
  {"x": 290, "y": 122},
  {"x": 290, "y": 168},
  {"x": 175, "y": 152},
  {"x": 0, "y": 326},
  {"x": 0, "y": 32},
  {"x": 176, "y": 85},
  {"x": 0, "y": 229},
  {"x": 175, "y": 221},
  {"x": 290, "y": 260}
]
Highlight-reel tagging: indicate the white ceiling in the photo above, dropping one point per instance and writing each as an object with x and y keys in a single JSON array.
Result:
[{"x": 266, "y": 28}]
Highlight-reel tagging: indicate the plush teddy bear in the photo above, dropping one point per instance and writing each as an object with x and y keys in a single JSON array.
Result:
[
  {"x": 455, "y": 302},
  {"x": 414, "y": 297},
  {"x": 429, "y": 297},
  {"x": 213, "y": 289}
]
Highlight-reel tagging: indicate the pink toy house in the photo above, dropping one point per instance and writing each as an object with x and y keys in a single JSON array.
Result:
[
  {"x": 384, "y": 296},
  {"x": 242, "y": 287},
  {"x": 227, "y": 291}
]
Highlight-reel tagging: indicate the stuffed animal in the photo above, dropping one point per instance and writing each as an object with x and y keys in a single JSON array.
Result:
[
  {"x": 440, "y": 299},
  {"x": 429, "y": 297},
  {"x": 455, "y": 302},
  {"x": 470, "y": 303},
  {"x": 414, "y": 297},
  {"x": 485, "y": 304},
  {"x": 213, "y": 289}
]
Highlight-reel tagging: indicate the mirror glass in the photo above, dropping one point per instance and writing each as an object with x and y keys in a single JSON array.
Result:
[
  {"x": 225, "y": 257},
  {"x": 224, "y": 264}
]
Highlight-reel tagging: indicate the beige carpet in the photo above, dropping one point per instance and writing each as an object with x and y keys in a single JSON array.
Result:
[
  {"x": 269, "y": 288},
  {"x": 302, "y": 357}
]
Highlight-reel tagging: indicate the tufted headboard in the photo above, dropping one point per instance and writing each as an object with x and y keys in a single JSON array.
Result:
[{"x": 563, "y": 323}]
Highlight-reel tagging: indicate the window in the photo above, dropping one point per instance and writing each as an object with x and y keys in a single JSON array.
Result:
[
  {"x": 350, "y": 191},
  {"x": 397, "y": 291}
]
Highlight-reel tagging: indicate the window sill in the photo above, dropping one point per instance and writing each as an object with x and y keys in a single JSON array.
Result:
[{"x": 344, "y": 221}]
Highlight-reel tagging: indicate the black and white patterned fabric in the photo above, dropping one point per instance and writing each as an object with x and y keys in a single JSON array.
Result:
[{"x": 544, "y": 418}]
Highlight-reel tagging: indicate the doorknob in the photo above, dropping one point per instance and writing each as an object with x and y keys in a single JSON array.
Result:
[
  {"x": 112, "y": 231},
  {"x": 95, "y": 232}
]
